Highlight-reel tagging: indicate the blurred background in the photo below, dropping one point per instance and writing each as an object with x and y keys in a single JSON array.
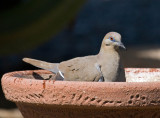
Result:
[{"x": 58, "y": 30}]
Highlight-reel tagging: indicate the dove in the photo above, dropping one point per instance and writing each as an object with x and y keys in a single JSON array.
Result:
[{"x": 105, "y": 66}]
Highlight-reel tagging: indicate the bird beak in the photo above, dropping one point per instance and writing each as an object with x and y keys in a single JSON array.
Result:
[{"x": 121, "y": 45}]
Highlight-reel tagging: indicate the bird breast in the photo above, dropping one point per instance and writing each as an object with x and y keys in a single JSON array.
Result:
[{"x": 109, "y": 66}]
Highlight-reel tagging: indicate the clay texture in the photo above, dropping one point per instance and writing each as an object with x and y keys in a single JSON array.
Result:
[{"x": 37, "y": 98}]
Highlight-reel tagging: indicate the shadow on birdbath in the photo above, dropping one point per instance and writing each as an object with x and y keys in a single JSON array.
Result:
[{"x": 36, "y": 96}]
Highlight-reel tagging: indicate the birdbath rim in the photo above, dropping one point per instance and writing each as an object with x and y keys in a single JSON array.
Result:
[{"x": 100, "y": 94}]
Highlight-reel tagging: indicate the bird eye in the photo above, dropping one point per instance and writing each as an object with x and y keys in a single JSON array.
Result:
[{"x": 111, "y": 38}]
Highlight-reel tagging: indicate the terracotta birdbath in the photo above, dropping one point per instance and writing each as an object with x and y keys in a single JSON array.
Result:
[{"x": 35, "y": 97}]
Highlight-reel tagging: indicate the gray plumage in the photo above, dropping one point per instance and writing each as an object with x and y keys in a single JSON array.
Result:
[{"x": 105, "y": 66}]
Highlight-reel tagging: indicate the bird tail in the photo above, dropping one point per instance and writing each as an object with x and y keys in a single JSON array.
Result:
[{"x": 53, "y": 67}]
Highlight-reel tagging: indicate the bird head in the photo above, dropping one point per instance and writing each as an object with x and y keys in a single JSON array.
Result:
[{"x": 112, "y": 39}]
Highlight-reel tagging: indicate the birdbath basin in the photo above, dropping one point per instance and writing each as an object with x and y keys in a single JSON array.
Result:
[{"x": 37, "y": 98}]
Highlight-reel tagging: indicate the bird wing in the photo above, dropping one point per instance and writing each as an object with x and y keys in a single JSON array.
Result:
[{"x": 80, "y": 69}]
